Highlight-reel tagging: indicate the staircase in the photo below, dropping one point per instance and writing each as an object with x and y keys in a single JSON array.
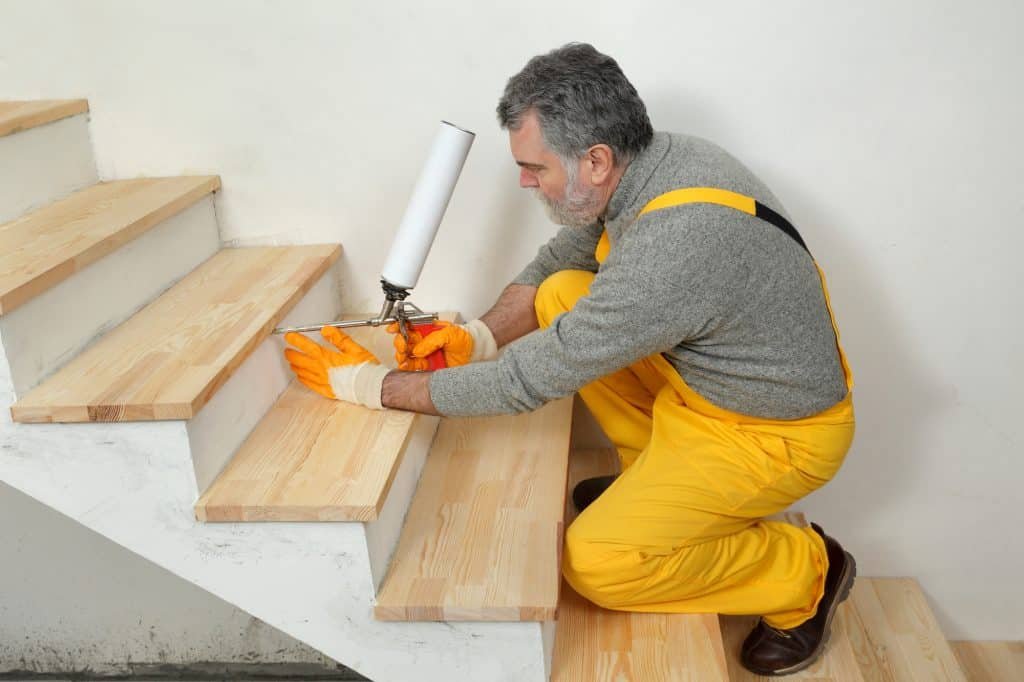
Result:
[{"x": 150, "y": 403}]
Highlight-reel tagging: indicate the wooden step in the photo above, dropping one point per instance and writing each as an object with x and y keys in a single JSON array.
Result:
[
  {"x": 482, "y": 539},
  {"x": 894, "y": 634},
  {"x": 313, "y": 459},
  {"x": 45, "y": 247},
  {"x": 16, "y": 116},
  {"x": 990, "y": 661},
  {"x": 596, "y": 645},
  {"x": 167, "y": 360}
]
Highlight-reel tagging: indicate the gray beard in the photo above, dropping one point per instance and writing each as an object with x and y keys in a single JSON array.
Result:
[{"x": 580, "y": 208}]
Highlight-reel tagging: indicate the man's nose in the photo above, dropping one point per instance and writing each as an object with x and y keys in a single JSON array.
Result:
[{"x": 527, "y": 179}]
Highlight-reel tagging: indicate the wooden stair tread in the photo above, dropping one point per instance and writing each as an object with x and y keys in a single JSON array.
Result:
[
  {"x": 596, "y": 645},
  {"x": 894, "y": 634},
  {"x": 45, "y": 247},
  {"x": 314, "y": 459},
  {"x": 990, "y": 661},
  {"x": 167, "y": 360},
  {"x": 16, "y": 116},
  {"x": 482, "y": 539}
]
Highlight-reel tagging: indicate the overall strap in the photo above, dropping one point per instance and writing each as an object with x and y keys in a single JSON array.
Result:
[{"x": 723, "y": 197}]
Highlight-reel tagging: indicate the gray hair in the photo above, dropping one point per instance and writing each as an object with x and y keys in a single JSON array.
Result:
[{"x": 581, "y": 98}]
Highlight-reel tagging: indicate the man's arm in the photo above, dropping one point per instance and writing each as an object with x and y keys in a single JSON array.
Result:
[
  {"x": 407, "y": 391},
  {"x": 512, "y": 315}
]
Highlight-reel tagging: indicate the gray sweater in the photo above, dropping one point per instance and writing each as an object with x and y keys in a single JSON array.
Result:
[{"x": 733, "y": 303}]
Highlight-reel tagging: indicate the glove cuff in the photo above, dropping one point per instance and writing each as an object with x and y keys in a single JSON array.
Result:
[
  {"x": 360, "y": 384},
  {"x": 484, "y": 346}
]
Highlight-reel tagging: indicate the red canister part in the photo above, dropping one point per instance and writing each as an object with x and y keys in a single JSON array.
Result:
[{"x": 435, "y": 359}]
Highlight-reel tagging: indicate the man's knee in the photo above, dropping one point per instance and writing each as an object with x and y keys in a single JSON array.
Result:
[
  {"x": 594, "y": 571},
  {"x": 558, "y": 294}
]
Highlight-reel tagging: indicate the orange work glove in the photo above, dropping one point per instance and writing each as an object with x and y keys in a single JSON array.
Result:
[
  {"x": 406, "y": 362},
  {"x": 350, "y": 373},
  {"x": 461, "y": 344}
]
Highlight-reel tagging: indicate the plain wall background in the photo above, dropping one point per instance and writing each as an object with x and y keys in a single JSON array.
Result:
[{"x": 890, "y": 130}]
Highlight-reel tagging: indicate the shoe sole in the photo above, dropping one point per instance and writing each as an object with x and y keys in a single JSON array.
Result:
[{"x": 845, "y": 585}]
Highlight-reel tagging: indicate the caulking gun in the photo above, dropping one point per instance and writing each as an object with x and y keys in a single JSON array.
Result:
[{"x": 413, "y": 240}]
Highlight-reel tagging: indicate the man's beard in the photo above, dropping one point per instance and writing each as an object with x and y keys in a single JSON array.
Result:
[{"x": 580, "y": 207}]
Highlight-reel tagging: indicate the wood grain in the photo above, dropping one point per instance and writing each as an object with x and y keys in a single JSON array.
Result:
[
  {"x": 991, "y": 661},
  {"x": 45, "y": 247},
  {"x": 894, "y": 634},
  {"x": 482, "y": 540},
  {"x": 167, "y": 360},
  {"x": 596, "y": 645},
  {"x": 314, "y": 459},
  {"x": 16, "y": 116}
]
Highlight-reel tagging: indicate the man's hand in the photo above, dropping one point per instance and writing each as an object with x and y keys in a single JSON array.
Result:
[
  {"x": 350, "y": 373},
  {"x": 461, "y": 344}
]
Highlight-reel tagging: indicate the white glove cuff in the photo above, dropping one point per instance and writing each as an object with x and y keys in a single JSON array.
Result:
[
  {"x": 484, "y": 346},
  {"x": 360, "y": 384}
]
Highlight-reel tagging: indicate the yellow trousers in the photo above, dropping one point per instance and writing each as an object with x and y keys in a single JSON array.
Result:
[{"x": 682, "y": 529}]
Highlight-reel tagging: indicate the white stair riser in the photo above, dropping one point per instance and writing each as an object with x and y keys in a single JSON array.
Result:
[
  {"x": 382, "y": 535},
  {"x": 135, "y": 484},
  {"x": 43, "y": 164},
  {"x": 223, "y": 424},
  {"x": 46, "y": 332}
]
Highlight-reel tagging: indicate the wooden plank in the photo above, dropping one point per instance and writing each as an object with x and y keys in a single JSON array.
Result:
[
  {"x": 314, "y": 459},
  {"x": 991, "y": 661},
  {"x": 596, "y": 645},
  {"x": 16, "y": 116},
  {"x": 167, "y": 360},
  {"x": 482, "y": 540},
  {"x": 45, "y": 247},
  {"x": 894, "y": 634}
]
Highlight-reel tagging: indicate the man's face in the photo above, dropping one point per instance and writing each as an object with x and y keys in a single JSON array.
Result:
[{"x": 566, "y": 193}]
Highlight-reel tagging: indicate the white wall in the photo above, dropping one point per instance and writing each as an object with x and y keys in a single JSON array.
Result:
[{"x": 890, "y": 130}]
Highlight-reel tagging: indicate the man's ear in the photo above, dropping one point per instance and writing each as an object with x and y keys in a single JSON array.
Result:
[{"x": 602, "y": 163}]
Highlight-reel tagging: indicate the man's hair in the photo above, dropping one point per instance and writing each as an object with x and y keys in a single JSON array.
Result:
[{"x": 581, "y": 98}]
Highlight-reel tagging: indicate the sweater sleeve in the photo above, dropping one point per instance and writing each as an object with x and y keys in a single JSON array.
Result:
[
  {"x": 571, "y": 248},
  {"x": 648, "y": 296}
]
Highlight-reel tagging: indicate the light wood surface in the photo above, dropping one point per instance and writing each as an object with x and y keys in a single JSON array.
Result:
[
  {"x": 482, "y": 540},
  {"x": 167, "y": 360},
  {"x": 894, "y": 634},
  {"x": 596, "y": 645},
  {"x": 314, "y": 459},
  {"x": 16, "y": 116},
  {"x": 45, "y": 247},
  {"x": 991, "y": 661}
]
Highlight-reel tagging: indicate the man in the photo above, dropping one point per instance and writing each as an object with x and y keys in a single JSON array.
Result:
[{"x": 687, "y": 312}]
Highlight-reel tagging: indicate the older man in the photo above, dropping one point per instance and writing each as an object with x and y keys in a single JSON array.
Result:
[{"x": 690, "y": 316}]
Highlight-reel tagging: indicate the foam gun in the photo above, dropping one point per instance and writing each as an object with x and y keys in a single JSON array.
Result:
[{"x": 413, "y": 240}]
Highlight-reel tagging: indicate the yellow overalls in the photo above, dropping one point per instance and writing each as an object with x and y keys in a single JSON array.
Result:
[{"x": 682, "y": 529}]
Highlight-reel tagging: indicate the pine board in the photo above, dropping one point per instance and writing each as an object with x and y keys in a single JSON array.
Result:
[
  {"x": 894, "y": 634},
  {"x": 314, "y": 459},
  {"x": 45, "y": 247},
  {"x": 167, "y": 360},
  {"x": 482, "y": 540},
  {"x": 16, "y": 116},
  {"x": 991, "y": 661}
]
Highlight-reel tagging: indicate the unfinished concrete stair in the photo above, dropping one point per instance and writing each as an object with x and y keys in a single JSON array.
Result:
[{"x": 46, "y": 151}]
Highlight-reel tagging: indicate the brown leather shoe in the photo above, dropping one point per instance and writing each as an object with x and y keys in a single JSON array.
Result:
[{"x": 770, "y": 651}]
